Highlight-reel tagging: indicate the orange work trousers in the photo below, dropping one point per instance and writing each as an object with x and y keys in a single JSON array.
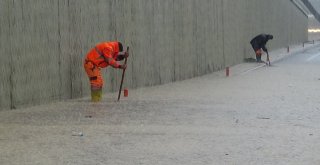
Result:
[{"x": 94, "y": 74}]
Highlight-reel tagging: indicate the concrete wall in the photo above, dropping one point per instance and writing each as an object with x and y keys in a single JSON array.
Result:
[{"x": 43, "y": 43}]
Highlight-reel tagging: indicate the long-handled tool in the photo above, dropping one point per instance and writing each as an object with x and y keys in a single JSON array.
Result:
[
  {"x": 268, "y": 60},
  {"x": 124, "y": 70}
]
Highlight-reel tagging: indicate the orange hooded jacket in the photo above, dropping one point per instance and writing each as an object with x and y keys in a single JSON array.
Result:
[{"x": 101, "y": 52}]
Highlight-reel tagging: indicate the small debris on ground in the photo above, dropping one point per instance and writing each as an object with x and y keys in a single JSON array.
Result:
[
  {"x": 74, "y": 133},
  {"x": 263, "y": 118}
]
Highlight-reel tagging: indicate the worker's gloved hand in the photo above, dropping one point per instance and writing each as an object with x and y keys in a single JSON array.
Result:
[
  {"x": 126, "y": 54},
  {"x": 122, "y": 55},
  {"x": 124, "y": 66}
]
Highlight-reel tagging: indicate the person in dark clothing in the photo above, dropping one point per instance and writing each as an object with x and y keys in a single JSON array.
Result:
[{"x": 259, "y": 42}]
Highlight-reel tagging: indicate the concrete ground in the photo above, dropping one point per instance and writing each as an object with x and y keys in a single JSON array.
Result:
[{"x": 258, "y": 115}]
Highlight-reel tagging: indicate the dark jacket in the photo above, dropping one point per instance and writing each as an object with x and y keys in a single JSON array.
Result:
[{"x": 260, "y": 41}]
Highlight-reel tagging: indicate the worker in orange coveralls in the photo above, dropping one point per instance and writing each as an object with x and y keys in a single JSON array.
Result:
[{"x": 101, "y": 56}]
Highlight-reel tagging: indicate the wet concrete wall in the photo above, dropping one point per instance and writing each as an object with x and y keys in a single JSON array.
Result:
[{"x": 42, "y": 43}]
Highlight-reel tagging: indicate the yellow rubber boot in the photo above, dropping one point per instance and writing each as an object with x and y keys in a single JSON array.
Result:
[{"x": 96, "y": 95}]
